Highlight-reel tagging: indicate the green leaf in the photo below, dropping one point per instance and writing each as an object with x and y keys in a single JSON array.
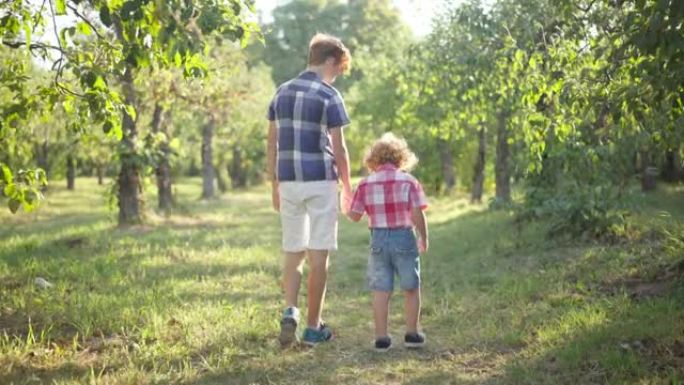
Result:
[
  {"x": 61, "y": 7},
  {"x": 99, "y": 84},
  {"x": 41, "y": 176},
  {"x": 68, "y": 105},
  {"x": 177, "y": 59},
  {"x": 519, "y": 56},
  {"x": 7, "y": 174},
  {"x": 84, "y": 28},
  {"x": 27, "y": 35},
  {"x": 130, "y": 110},
  {"x": 107, "y": 127},
  {"x": 13, "y": 205},
  {"x": 105, "y": 16},
  {"x": 175, "y": 144},
  {"x": 112, "y": 127},
  {"x": 10, "y": 190}
]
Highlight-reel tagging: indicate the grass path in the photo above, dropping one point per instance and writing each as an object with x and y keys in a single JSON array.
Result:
[{"x": 195, "y": 298}]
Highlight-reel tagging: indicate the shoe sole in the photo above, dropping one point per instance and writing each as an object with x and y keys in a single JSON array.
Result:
[
  {"x": 382, "y": 350},
  {"x": 288, "y": 332},
  {"x": 311, "y": 344},
  {"x": 414, "y": 345}
]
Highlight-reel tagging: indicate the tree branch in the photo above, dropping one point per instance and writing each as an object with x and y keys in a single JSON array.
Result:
[
  {"x": 85, "y": 20},
  {"x": 59, "y": 41},
  {"x": 60, "y": 61},
  {"x": 17, "y": 44},
  {"x": 40, "y": 12}
]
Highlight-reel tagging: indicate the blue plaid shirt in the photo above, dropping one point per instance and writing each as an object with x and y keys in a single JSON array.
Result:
[{"x": 304, "y": 110}]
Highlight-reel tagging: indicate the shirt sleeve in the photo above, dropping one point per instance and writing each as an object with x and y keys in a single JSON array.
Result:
[
  {"x": 358, "y": 206},
  {"x": 417, "y": 196},
  {"x": 336, "y": 112}
]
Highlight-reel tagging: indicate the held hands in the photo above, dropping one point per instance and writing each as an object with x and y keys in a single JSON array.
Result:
[{"x": 346, "y": 199}]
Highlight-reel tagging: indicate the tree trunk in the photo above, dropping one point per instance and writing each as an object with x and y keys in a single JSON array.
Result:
[
  {"x": 648, "y": 172},
  {"x": 502, "y": 170},
  {"x": 221, "y": 170},
  {"x": 100, "y": 174},
  {"x": 71, "y": 172},
  {"x": 447, "y": 159},
  {"x": 478, "y": 175},
  {"x": 237, "y": 172},
  {"x": 221, "y": 182},
  {"x": 672, "y": 169},
  {"x": 42, "y": 155},
  {"x": 160, "y": 120},
  {"x": 130, "y": 199},
  {"x": 208, "y": 172}
]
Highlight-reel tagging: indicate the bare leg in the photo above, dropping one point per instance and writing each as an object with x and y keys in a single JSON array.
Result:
[
  {"x": 381, "y": 300},
  {"x": 412, "y": 309},
  {"x": 318, "y": 276},
  {"x": 292, "y": 277}
]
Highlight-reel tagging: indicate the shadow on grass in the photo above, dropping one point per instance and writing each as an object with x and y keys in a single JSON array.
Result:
[
  {"x": 631, "y": 342},
  {"x": 21, "y": 374},
  {"x": 332, "y": 364}
]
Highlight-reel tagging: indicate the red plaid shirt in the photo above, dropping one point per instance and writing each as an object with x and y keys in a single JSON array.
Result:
[{"x": 388, "y": 195}]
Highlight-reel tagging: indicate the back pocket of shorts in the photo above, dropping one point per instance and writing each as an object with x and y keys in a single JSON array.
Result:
[{"x": 405, "y": 246}]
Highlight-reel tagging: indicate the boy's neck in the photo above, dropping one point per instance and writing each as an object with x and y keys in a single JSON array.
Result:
[{"x": 322, "y": 72}]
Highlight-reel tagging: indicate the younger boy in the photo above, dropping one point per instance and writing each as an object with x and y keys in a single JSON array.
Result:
[{"x": 395, "y": 202}]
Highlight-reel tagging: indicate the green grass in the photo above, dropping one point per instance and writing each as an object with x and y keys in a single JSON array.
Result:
[{"x": 194, "y": 299}]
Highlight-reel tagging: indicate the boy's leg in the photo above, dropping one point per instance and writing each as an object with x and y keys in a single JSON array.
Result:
[
  {"x": 381, "y": 300},
  {"x": 412, "y": 309},
  {"x": 294, "y": 222},
  {"x": 292, "y": 277},
  {"x": 295, "y": 237},
  {"x": 322, "y": 208},
  {"x": 318, "y": 277}
]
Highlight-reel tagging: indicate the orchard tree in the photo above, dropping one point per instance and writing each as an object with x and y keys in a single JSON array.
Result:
[{"x": 110, "y": 42}]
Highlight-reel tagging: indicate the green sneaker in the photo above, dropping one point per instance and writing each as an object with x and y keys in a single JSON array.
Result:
[
  {"x": 313, "y": 337},
  {"x": 288, "y": 326}
]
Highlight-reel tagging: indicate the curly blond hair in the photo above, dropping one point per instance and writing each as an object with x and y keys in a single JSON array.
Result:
[{"x": 390, "y": 149}]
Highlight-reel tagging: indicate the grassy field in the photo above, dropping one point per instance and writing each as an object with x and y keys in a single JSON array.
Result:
[{"x": 195, "y": 298}]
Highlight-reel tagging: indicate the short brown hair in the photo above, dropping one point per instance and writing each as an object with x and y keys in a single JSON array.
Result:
[
  {"x": 323, "y": 46},
  {"x": 390, "y": 149}
]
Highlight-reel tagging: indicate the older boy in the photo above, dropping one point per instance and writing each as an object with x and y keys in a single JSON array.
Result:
[{"x": 306, "y": 156}]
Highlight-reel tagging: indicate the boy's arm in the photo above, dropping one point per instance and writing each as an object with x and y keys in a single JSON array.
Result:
[
  {"x": 342, "y": 162},
  {"x": 420, "y": 221},
  {"x": 271, "y": 156}
]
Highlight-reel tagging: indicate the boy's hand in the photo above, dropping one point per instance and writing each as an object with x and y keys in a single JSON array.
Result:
[
  {"x": 275, "y": 196},
  {"x": 423, "y": 245}
]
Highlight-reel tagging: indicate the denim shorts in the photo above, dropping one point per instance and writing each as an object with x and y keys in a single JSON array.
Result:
[{"x": 393, "y": 251}]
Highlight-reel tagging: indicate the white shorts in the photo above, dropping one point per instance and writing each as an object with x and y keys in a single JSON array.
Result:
[{"x": 308, "y": 215}]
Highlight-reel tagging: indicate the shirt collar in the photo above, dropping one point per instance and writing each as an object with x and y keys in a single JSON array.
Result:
[
  {"x": 310, "y": 75},
  {"x": 387, "y": 167}
]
